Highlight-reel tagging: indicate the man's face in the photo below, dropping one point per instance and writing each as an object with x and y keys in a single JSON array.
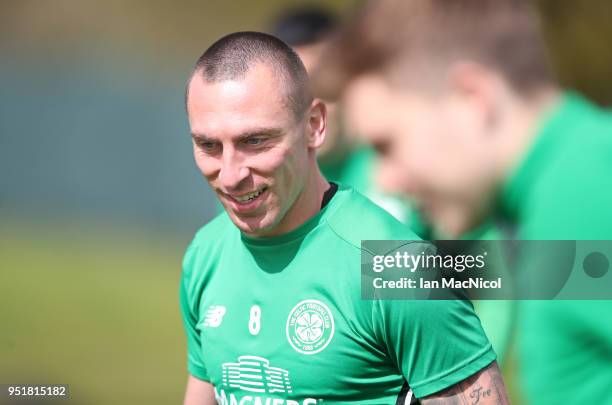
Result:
[
  {"x": 249, "y": 146},
  {"x": 434, "y": 149}
]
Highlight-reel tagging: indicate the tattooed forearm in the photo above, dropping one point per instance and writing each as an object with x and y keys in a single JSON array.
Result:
[{"x": 483, "y": 388}]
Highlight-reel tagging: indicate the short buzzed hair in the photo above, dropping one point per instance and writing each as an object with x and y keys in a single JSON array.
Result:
[
  {"x": 503, "y": 35},
  {"x": 232, "y": 56}
]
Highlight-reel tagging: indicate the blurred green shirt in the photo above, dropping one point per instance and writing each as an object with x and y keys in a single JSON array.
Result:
[{"x": 563, "y": 191}]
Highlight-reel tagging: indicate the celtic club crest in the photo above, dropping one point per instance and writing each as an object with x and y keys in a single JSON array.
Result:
[{"x": 310, "y": 327}]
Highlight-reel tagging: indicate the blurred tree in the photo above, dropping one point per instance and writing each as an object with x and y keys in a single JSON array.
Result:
[{"x": 579, "y": 34}]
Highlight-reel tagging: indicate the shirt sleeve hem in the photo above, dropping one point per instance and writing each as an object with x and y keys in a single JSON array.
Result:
[
  {"x": 452, "y": 378},
  {"x": 198, "y": 372}
]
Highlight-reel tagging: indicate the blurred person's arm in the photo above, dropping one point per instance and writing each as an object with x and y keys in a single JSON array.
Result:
[
  {"x": 199, "y": 392},
  {"x": 486, "y": 387}
]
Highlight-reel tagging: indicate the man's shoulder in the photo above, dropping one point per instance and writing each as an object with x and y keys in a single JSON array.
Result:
[
  {"x": 357, "y": 218},
  {"x": 572, "y": 197}
]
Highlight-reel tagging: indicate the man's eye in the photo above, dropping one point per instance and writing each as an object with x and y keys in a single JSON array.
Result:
[
  {"x": 207, "y": 146},
  {"x": 382, "y": 148},
  {"x": 254, "y": 141}
]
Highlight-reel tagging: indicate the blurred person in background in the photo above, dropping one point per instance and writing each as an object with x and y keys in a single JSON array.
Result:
[
  {"x": 365, "y": 104},
  {"x": 270, "y": 291},
  {"x": 343, "y": 157},
  {"x": 477, "y": 126}
]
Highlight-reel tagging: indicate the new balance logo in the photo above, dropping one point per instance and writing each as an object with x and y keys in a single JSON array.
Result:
[
  {"x": 214, "y": 316},
  {"x": 254, "y": 374}
]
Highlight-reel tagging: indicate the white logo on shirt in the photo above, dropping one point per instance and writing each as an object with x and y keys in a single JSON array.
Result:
[
  {"x": 310, "y": 327},
  {"x": 214, "y": 316},
  {"x": 254, "y": 374}
]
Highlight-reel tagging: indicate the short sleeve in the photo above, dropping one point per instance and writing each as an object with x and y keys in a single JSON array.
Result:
[
  {"x": 436, "y": 344},
  {"x": 189, "y": 298}
]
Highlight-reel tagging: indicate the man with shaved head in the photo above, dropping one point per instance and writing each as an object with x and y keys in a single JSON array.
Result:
[{"x": 270, "y": 292}]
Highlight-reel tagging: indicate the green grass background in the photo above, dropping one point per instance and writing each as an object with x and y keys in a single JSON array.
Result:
[{"x": 93, "y": 308}]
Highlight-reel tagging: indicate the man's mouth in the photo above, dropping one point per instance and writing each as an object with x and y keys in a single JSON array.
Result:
[
  {"x": 248, "y": 202},
  {"x": 250, "y": 196}
]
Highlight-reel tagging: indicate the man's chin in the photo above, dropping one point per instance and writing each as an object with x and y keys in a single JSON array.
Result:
[
  {"x": 251, "y": 225},
  {"x": 453, "y": 223}
]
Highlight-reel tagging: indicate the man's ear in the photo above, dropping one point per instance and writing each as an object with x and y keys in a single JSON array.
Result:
[
  {"x": 476, "y": 88},
  {"x": 317, "y": 123}
]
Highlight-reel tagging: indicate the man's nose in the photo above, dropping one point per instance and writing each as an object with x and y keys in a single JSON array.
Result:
[{"x": 233, "y": 172}]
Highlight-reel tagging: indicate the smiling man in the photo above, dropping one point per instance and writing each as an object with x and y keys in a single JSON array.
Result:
[{"x": 270, "y": 292}]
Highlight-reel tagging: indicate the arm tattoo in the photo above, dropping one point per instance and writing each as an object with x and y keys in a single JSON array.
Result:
[{"x": 486, "y": 387}]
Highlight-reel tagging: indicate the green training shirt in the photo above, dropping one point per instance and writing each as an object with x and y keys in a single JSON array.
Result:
[
  {"x": 280, "y": 320},
  {"x": 563, "y": 191}
]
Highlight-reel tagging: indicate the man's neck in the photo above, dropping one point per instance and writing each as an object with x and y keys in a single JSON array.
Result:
[{"x": 524, "y": 123}]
